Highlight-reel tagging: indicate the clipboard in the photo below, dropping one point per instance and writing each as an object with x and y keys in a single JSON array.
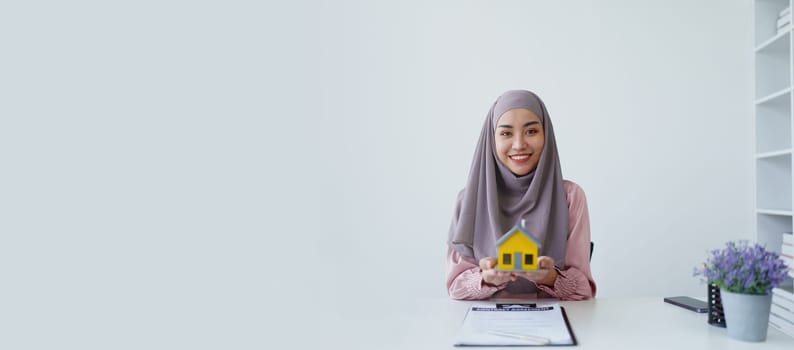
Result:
[{"x": 516, "y": 325}]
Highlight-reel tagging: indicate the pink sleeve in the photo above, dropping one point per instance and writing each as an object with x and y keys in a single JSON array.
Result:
[
  {"x": 464, "y": 280},
  {"x": 575, "y": 282}
]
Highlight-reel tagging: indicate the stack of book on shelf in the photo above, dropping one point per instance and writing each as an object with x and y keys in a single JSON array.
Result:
[
  {"x": 784, "y": 20},
  {"x": 782, "y": 313}
]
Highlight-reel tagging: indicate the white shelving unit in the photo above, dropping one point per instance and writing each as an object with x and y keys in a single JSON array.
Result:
[{"x": 774, "y": 98}]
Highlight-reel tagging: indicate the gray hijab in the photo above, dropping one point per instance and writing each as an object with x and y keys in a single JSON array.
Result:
[{"x": 495, "y": 199}]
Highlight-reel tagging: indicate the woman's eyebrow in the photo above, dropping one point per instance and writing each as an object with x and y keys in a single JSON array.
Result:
[{"x": 525, "y": 125}]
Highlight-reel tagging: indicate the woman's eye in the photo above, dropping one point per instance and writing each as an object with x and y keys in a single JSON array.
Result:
[
  {"x": 532, "y": 132},
  {"x": 505, "y": 133}
]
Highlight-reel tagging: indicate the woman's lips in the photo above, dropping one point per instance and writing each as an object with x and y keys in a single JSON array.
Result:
[{"x": 519, "y": 158}]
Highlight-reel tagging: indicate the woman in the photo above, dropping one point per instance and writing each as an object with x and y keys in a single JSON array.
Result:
[{"x": 515, "y": 175}]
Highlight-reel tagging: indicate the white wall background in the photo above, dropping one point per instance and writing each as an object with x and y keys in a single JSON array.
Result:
[{"x": 177, "y": 166}]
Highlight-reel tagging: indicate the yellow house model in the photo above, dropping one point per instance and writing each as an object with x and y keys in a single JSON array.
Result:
[{"x": 517, "y": 250}]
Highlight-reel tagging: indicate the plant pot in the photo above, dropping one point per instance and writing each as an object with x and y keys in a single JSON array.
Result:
[{"x": 746, "y": 315}]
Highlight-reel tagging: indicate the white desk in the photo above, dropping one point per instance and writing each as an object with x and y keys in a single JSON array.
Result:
[{"x": 639, "y": 323}]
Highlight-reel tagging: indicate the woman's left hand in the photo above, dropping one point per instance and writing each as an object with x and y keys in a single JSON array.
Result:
[{"x": 545, "y": 274}]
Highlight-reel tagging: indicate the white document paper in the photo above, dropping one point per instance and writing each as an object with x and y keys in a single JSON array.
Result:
[{"x": 510, "y": 325}]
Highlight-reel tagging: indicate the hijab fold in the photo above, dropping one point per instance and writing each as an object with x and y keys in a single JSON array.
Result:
[{"x": 494, "y": 199}]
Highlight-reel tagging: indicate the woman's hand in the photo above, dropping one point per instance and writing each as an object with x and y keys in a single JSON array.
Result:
[
  {"x": 545, "y": 274},
  {"x": 492, "y": 276}
]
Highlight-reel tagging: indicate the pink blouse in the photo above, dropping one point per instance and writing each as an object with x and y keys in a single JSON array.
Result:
[{"x": 574, "y": 281}]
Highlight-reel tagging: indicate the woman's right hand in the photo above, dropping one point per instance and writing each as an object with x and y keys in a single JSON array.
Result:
[{"x": 491, "y": 276}]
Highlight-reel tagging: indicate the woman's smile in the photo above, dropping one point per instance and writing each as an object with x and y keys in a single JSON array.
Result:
[{"x": 520, "y": 158}]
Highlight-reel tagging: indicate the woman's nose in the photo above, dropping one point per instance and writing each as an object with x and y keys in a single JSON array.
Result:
[{"x": 519, "y": 143}]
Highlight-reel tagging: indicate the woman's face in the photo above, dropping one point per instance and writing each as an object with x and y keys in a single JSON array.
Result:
[{"x": 519, "y": 140}]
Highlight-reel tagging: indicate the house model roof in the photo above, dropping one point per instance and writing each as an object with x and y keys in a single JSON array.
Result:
[{"x": 517, "y": 229}]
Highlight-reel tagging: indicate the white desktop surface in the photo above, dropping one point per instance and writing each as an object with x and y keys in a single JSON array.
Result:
[{"x": 631, "y": 323}]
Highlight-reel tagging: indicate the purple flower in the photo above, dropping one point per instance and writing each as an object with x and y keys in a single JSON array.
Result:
[{"x": 743, "y": 268}]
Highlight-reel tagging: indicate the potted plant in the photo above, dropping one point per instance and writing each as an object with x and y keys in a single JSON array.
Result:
[{"x": 745, "y": 275}]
